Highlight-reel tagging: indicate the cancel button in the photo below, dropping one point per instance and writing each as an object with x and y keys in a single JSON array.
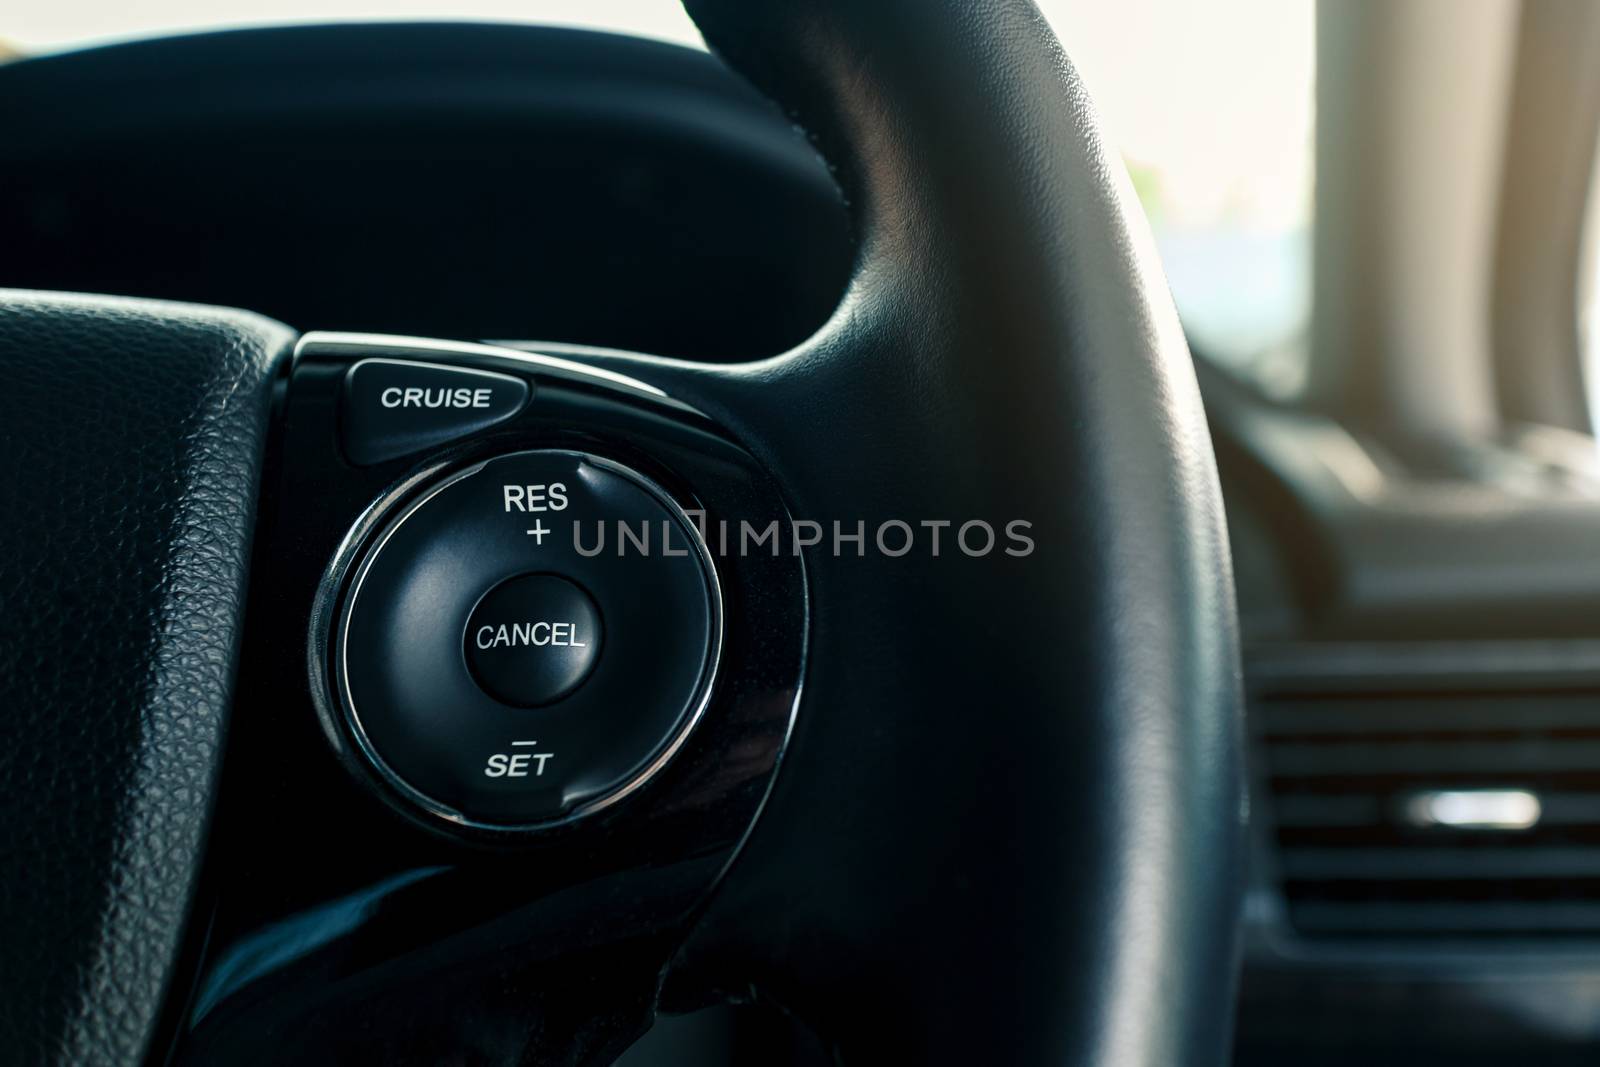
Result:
[{"x": 533, "y": 639}]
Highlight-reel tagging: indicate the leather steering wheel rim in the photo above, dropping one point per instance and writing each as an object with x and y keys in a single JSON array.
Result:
[
  {"x": 1007, "y": 348},
  {"x": 1009, "y": 826}
]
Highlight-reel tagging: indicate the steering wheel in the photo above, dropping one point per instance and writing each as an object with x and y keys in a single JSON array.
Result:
[{"x": 975, "y": 801}]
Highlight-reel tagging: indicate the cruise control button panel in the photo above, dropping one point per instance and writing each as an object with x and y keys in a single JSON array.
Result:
[
  {"x": 528, "y": 640},
  {"x": 393, "y": 407}
]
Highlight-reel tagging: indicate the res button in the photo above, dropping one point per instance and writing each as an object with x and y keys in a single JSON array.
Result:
[
  {"x": 533, "y": 639},
  {"x": 395, "y": 407}
]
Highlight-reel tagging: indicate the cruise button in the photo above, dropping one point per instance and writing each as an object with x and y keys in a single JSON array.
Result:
[{"x": 394, "y": 407}]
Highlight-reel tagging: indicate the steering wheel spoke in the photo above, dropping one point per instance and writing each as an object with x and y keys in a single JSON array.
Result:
[{"x": 134, "y": 437}]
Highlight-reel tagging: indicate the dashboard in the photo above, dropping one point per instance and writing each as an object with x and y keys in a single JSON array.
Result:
[{"x": 459, "y": 181}]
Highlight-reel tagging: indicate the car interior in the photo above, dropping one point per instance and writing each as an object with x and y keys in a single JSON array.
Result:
[{"x": 800, "y": 532}]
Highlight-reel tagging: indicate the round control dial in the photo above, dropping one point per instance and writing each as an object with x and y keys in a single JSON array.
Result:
[{"x": 528, "y": 640}]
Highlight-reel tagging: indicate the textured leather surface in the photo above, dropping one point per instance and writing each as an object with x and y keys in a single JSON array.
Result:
[
  {"x": 1009, "y": 829},
  {"x": 131, "y": 436}
]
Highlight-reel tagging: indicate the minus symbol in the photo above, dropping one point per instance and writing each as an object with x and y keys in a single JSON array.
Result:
[{"x": 523, "y": 744}]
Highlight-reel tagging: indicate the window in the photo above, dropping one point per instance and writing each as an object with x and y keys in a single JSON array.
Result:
[{"x": 1211, "y": 106}]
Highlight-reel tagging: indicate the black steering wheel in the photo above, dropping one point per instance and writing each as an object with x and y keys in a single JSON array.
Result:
[{"x": 975, "y": 801}]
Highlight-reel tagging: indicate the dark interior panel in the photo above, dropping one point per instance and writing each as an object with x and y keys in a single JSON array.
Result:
[{"x": 452, "y": 181}]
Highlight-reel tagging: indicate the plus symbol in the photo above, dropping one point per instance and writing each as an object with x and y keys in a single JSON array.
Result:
[{"x": 538, "y": 531}]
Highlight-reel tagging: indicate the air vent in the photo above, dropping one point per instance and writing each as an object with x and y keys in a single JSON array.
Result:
[{"x": 1437, "y": 814}]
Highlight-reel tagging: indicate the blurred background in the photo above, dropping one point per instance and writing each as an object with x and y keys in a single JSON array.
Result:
[{"x": 1211, "y": 106}]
